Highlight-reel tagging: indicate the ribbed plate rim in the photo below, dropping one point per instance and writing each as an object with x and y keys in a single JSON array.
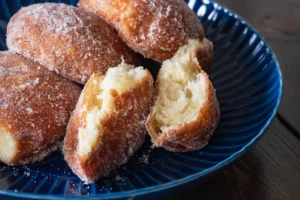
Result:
[{"x": 189, "y": 178}]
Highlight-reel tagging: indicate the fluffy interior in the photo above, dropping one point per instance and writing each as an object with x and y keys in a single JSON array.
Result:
[
  {"x": 181, "y": 89},
  {"x": 7, "y": 146},
  {"x": 98, "y": 102}
]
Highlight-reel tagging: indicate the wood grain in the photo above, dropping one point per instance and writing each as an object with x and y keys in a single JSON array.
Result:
[
  {"x": 278, "y": 22},
  {"x": 270, "y": 170}
]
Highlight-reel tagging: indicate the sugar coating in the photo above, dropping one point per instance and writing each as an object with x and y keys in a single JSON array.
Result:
[
  {"x": 121, "y": 127},
  {"x": 35, "y": 106},
  {"x": 186, "y": 111},
  {"x": 69, "y": 41},
  {"x": 155, "y": 28}
]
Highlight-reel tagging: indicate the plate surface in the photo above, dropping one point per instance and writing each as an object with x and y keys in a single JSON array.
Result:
[{"x": 248, "y": 81}]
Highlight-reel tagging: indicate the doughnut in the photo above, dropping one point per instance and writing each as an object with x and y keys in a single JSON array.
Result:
[
  {"x": 154, "y": 28},
  {"x": 107, "y": 125},
  {"x": 186, "y": 110},
  {"x": 35, "y": 107},
  {"x": 72, "y": 42}
]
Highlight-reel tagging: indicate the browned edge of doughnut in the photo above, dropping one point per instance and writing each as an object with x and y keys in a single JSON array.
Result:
[
  {"x": 100, "y": 162},
  {"x": 193, "y": 135},
  {"x": 189, "y": 28},
  {"x": 38, "y": 156},
  {"x": 81, "y": 46},
  {"x": 39, "y": 131},
  {"x": 205, "y": 55}
]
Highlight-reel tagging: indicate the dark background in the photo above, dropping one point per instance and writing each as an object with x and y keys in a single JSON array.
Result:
[{"x": 271, "y": 169}]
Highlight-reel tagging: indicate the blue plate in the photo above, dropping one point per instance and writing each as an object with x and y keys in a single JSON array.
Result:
[{"x": 248, "y": 81}]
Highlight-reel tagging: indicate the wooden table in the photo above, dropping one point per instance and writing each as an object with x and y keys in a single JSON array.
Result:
[{"x": 271, "y": 169}]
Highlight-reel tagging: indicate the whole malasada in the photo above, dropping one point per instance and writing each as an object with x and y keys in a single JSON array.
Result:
[
  {"x": 154, "y": 28},
  {"x": 35, "y": 107},
  {"x": 72, "y": 42}
]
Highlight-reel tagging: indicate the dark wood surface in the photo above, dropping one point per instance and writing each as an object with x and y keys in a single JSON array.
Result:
[
  {"x": 278, "y": 21},
  {"x": 271, "y": 169}
]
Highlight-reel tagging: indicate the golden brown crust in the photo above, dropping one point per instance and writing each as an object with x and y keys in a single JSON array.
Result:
[
  {"x": 193, "y": 135},
  {"x": 123, "y": 131},
  {"x": 205, "y": 55},
  {"x": 39, "y": 155},
  {"x": 35, "y": 106},
  {"x": 154, "y": 28},
  {"x": 72, "y": 42}
]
